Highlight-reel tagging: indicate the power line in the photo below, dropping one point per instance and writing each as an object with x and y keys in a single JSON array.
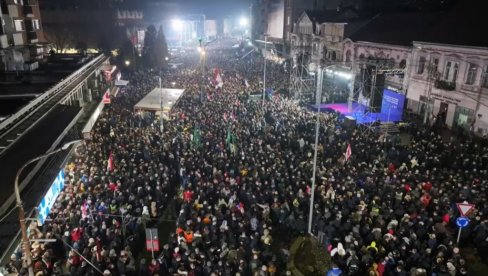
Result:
[{"x": 6, "y": 215}]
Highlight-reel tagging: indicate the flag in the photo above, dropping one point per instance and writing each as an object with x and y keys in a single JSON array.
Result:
[
  {"x": 196, "y": 138},
  {"x": 228, "y": 138},
  {"x": 110, "y": 163},
  {"x": 348, "y": 152},
  {"x": 84, "y": 209},
  {"x": 246, "y": 83},
  {"x": 106, "y": 97}
]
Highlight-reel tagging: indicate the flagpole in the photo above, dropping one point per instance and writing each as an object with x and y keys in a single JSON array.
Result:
[{"x": 317, "y": 128}]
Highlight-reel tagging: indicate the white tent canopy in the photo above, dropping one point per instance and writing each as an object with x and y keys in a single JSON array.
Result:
[
  {"x": 121, "y": 82},
  {"x": 152, "y": 101}
]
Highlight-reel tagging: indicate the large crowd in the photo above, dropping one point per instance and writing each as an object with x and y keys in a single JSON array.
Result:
[{"x": 235, "y": 176}]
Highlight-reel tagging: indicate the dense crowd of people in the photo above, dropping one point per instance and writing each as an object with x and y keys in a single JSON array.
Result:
[{"x": 235, "y": 175}]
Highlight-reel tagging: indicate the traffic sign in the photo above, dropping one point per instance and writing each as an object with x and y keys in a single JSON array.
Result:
[
  {"x": 465, "y": 208},
  {"x": 462, "y": 222}
]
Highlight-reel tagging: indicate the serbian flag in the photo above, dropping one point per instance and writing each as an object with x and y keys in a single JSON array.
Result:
[
  {"x": 348, "y": 152},
  {"x": 84, "y": 210},
  {"x": 110, "y": 163},
  {"x": 106, "y": 97}
]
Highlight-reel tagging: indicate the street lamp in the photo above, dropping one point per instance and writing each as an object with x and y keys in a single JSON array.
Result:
[
  {"x": 243, "y": 21},
  {"x": 161, "y": 103},
  {"x": 177, "y": 24},
  {"x": 317, "y": 128},
  {"x": 23, "y": 228},
  {"x": 201, "y": 50},
  {"x": 264, "y": 70},
  {"x": 127, "y": 62}
]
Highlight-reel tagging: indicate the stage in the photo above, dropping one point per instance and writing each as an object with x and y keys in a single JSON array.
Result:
[{"x": 359, "y": 112}]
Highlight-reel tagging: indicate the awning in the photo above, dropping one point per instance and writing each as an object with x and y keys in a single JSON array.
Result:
[
  {"x": 121, "y": 82},
  {"x": 152, "y": 101}
]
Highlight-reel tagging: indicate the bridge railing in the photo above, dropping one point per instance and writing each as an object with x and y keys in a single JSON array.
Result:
[{"x": 34, "y": 104}]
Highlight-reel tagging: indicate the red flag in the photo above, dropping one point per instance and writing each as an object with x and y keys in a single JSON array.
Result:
[
  {"x": 84, "y": 209},
  {"x": 348, "y": 152},
  {"x": 106, "y": 97},
  {"x": 110, "y": 165}
]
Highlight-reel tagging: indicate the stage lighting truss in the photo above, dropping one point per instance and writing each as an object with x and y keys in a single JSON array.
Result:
[{"x": 366, "y": 80}]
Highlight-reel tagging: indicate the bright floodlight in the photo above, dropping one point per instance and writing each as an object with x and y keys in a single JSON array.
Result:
[
  {"x": 177, "y": 24},
  {"x": 127, "y": 62},
  {"x": 243, "y": 21}
]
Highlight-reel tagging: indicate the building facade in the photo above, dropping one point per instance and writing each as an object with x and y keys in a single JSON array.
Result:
[
  {"x": 21, "y": 35},
  {"x": 398, "y": 57},
  {"x": 450, "y": 80},
  {"x": 320, "y": 40}
]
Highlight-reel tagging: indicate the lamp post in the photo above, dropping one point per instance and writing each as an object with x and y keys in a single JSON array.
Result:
[
  {"x": 318, "y": 100},
  {"x": 201, "y": 50},
  {"x": 23, "y": 227},
  {"x": 264, "y": 70},
  {"x": 317, "y": 128},
  {"x": 161, "y": 104}
]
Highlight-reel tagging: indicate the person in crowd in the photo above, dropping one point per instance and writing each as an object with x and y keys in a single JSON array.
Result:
[{"x": 235, "y": 175}]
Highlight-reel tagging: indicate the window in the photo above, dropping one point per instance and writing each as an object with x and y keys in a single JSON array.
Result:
[
  {"x": 19, "y": 25},
  {"x": 333, "y": 55},
  {"x": 35, "y": 24},
  {"x": 471, "y": 73},
  {"x": 433, "y": 66},
  {"x": 484, "y": 77},
  {"x": 288, "y": 20},
  {"x": 421, "y": 65},
  {"x": 451, "y": 71}
]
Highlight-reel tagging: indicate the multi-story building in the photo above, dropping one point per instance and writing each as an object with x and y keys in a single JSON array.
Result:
[
  {"x": 21, "y": 36},
  {"x": 445, "y": 77},
  {"x": 450, "y": 80},
  {"x": 319, "y": 35}
]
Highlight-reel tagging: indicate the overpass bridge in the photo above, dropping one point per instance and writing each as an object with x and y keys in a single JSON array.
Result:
[{"x": 46, "y": 122}]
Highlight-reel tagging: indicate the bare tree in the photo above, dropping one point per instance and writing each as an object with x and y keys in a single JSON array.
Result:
[{"x": 60, "y": 38}]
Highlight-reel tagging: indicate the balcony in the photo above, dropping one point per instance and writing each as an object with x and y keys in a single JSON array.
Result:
[
  {"x": 445, "y": 85},
  {"x": 32, "y": 37},
  {"x": 470, "y": 88},
  {"x": 3, "y": 42},
  {"x": 28, "y": 11},
  {"x": 18, "y": 39},
  {"x": 31, "y": 3}
]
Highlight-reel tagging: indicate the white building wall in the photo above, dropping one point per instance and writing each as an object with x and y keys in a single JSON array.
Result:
[{"x": 463, "y": 100}]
